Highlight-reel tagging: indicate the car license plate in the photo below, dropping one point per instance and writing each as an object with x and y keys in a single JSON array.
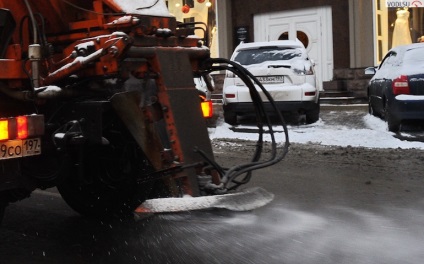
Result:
[
  {"x": 20, "y": 148},
  {"x": 270, "y": 79}
]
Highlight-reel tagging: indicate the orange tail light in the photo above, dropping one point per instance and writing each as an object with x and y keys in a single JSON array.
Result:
[
  {"x": 207, "y": 109},
  {"x": 4, "y": 129}
]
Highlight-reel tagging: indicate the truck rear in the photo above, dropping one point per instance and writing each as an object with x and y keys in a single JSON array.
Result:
[{"x": 105, "y": 90}]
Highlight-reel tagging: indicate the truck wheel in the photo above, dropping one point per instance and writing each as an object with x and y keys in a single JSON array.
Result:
[
  {"x": 312, "y": 115},
  {"x": 105, "y": 184},
  {"x": 2, "y": 209}
]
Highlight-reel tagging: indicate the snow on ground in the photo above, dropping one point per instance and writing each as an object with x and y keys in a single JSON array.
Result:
[{"x": 375, "y": 135}]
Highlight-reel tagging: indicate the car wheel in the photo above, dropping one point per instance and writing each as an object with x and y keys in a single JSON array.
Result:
[
  {"x": 230, "y": 117},
  {"x": 312, "y": 115},
  {"x": 392, "y": 124},
  {"x": 371, "y": 108}
]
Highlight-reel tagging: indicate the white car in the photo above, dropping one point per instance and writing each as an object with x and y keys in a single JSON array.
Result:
[{"x": 284, "y": 69}]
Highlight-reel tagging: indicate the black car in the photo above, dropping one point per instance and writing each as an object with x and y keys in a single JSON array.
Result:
[{"x": 396, "y": 91}]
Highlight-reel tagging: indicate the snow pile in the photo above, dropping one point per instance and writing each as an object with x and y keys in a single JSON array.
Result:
[
  {"x": 375, "y": 135},
  {"x": 145, "y": 7}
]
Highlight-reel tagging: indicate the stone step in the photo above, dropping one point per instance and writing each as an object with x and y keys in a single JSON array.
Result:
[
  {"x": 342, "y": 100},
  {"x": 331, "y": 93},
  {"x": 350, "y": 74}
]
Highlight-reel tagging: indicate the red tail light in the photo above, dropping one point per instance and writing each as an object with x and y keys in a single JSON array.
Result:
[
  {"x": 310, "y": 93},
  {"x": 21, "y": 127},
  {"x": 207, "y": 109},
  {"x": 400, "y": 85}
]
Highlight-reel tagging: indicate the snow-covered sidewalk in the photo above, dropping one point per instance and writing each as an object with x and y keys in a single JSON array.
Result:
[{"x": 375, "y": 135}]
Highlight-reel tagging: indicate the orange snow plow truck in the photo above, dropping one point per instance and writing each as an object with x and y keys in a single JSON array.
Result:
[{"x": 97, "y": 98}]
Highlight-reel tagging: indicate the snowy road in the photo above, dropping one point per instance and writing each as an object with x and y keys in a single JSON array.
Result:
[{"x": 333, "y": 204}]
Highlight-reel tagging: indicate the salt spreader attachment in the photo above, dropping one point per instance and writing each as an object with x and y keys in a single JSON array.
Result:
[
  {"x": 245, "y": 200},
  {"x": 217, "y": 185}
]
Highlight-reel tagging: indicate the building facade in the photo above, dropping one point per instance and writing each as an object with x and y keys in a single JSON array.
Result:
[
  {"x": 323, "y": 27},
  {"x": 341, "y": 36}
]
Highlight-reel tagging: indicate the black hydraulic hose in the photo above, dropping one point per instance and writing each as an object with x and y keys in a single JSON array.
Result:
[
  {"x": 260, "y": 112},
  {"x": 33, "y": 23},
  {"x": 205, "y": 29},
  {"x": 150, "y": 6},
  {"x": 258, "y": 108},
  {"x": 266, "y": 93},
  {"x": 272, "y": 102},
  {"x": 231, "y": 175}
]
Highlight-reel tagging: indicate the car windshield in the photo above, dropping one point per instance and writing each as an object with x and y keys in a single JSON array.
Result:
[{"x": 256, "y": 56}]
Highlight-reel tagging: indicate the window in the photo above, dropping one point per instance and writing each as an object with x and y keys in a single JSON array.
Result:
[
  {"x": 256, "y": 56},
  {"x": 388, "y": 60},
  {"x": 300, "y": 35},
  {"x": 396, "y": 26},
  {"x": 190, "y": 3}
]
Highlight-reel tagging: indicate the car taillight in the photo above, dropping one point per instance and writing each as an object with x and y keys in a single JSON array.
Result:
[
  {"x": 310, "y": 93},
  {"x": 229, "y": 95},
  {"x": 207, "y": 109},
  {"x": 21, "y": 127},
  {"x": 400, "y": 85}
]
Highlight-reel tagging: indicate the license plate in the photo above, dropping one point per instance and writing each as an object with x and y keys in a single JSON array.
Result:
[
  {"x": 20, "y": 148},
  {"x": 270, "y": 79}
]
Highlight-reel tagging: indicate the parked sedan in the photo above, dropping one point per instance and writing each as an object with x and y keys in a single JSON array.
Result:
[
  {"x": 286, "y": 72},
  {"x": 396, "y": 91}
]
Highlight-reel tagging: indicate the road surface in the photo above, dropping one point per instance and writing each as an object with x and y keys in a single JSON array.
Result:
[{"x": 332, "y": 205}]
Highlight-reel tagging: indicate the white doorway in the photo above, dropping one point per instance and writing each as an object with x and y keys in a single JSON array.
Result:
[{"x": 313, "y": 26}]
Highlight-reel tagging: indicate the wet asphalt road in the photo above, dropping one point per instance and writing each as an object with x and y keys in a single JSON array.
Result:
[{"x": 316, "y": 217}]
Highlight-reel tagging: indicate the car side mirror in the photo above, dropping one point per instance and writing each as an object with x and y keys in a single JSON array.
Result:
[{"x": 370, "y": 71}]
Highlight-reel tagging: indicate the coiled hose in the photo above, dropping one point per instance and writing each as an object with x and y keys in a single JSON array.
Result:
[{"x": 230, "y": 177}]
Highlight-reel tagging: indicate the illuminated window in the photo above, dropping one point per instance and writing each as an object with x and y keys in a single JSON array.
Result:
[{"x": 190, "y": 3}]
